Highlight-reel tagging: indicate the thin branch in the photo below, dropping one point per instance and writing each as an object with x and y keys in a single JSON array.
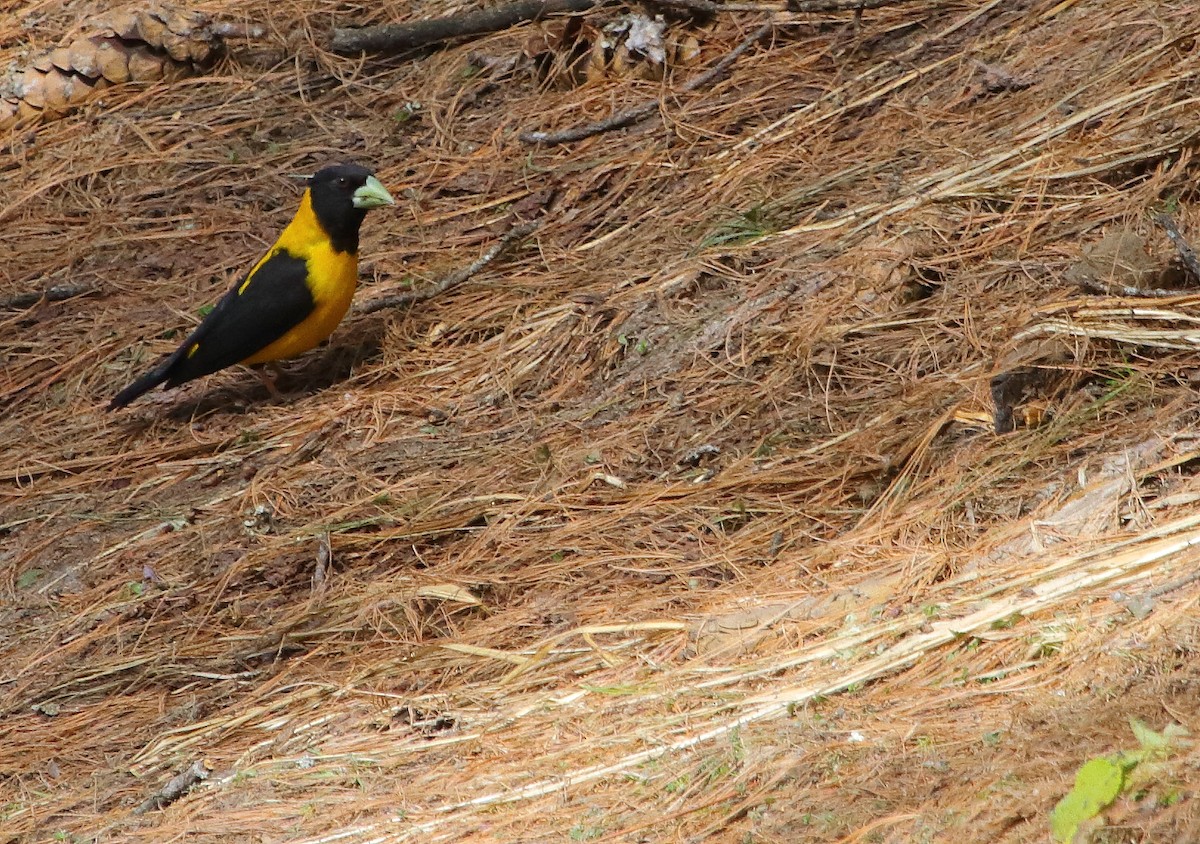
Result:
[
  {"x": 455, "y": 278},
  {"x": 644, "y": 110},
  {"x": 176, "y": 787},
  {"x": 56, "y": 293},
  {"x": 1174, "y": 585},
  {"x": 841, "y": 5},
  {"x": 1186, "y": 253},
  {"x": 1108, "y": 288},
  {"x": 394, "y": 38},
  {"x": 708, "y": 7},
  {"x": 1142, "y": 605}
]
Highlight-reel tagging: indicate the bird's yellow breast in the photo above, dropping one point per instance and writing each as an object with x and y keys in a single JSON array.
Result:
[{"x": 332, "y": 278}]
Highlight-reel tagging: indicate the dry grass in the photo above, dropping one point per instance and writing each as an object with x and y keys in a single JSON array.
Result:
[{"x": 685, "y": 522}]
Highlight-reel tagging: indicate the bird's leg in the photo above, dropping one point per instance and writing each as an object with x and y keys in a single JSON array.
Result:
[{"x": 268, "y": 373}]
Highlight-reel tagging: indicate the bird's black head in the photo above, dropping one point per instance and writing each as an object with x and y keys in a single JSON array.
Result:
[{"x": 342, "y": 194}]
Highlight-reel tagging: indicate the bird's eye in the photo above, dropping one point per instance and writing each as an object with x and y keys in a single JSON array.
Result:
[{"x": 342, "y": 181}]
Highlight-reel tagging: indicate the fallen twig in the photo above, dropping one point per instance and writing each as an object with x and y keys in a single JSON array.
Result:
[
  {"x": 455, "y": 278},
  {"x": 393, "y": 38},
  {"x": 1108, "y": 288},
  {"x": 1174, "y": 585},
  {"x": 708, "y": 7},
  {"x": 55, "y": 293},
  {"x": 1186, "y": 253},
  {"x": 644, "y": 110},
  {"x": 1142, "y": 605},
  {"x": 176, "y": 787},
  {"x": 841, "y": 5}
]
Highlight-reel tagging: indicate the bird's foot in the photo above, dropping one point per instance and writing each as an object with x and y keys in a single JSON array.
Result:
[{"x": 269, "y": 373}]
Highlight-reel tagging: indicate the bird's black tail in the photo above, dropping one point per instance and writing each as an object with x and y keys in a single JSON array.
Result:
[{"x": 158, "y": 375}]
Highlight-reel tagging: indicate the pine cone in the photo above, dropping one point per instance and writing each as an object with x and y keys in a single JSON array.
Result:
[{"x": 142, "y": 43}]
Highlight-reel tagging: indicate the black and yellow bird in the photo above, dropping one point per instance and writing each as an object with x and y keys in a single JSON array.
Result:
[{"x": 293, "y": 298}]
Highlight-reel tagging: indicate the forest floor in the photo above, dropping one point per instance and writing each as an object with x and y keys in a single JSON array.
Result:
[{"x": 823, "y": 468}]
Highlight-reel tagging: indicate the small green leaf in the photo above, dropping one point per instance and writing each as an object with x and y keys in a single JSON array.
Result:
[
  {"x": 1007, "y": 622},
  {"x": 1097, "y": 784},
  {"x": 29, "y": 577},
  {"x": 677, "y": 785},
  {"x": 205, "y": 310},
  {"x": 1148, "y": 739},
  {"x": 406, "y": 112}
]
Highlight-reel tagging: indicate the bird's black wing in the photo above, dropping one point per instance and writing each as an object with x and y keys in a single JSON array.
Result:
[
  {"x": 250, "y": 317},
  {"x": 255, "y": 313}
]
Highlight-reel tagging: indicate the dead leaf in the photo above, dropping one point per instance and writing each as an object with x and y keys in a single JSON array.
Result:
[
  {"x": 1118, "y": 259},
  {"x": 998, "y": 78},
  {"x": 448, "y": 592},
  {"x": 886, "y": 263}
]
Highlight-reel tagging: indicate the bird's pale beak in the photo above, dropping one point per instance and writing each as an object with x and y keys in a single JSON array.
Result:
[{"x": 372, "y": 195}]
